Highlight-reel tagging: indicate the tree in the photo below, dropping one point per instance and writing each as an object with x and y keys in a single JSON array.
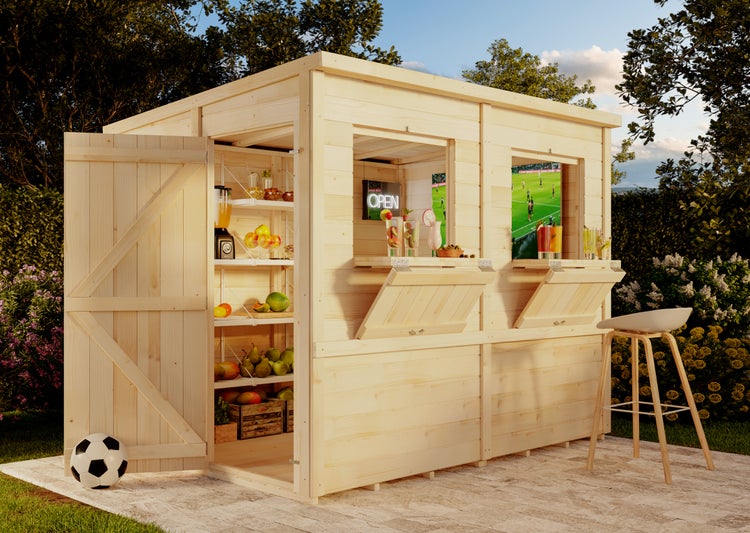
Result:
[
  {"x": 262, "y": 34},
  {"x": 76, "y": 66},
  {"x": 700, "y": 54},
  {"x": 513, "y": 70},
  {"x": 623, "y": 156}
]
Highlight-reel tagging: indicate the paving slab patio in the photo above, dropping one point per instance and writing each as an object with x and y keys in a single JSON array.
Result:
[{"x": 549, "y": 490}]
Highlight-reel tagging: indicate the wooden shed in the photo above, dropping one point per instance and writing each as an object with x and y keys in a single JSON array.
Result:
[{"x": 403, "y": 365}]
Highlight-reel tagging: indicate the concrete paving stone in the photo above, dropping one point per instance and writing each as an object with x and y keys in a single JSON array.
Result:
[{"x": 548, "y": 491}]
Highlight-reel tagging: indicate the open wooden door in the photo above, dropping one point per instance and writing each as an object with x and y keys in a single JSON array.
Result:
[{"x": 137, "y": 319}]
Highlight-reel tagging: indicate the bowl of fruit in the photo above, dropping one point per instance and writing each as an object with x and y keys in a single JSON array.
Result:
[{"x": 450, "y": 250}]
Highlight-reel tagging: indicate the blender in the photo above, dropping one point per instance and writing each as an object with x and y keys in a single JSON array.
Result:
[{"x": 223, "y": 241}]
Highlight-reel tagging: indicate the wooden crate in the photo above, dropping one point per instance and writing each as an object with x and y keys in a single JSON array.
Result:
[
  {"x": 225, "y": 433},
  {"x": 266, "y": 418},
  {"x": 288, "y": 414}
]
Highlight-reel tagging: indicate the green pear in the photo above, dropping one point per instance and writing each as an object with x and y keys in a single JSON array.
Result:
[
  {"x": 263, "y": 369},
  {"x": 287, "y": 393},
  {"x": 288, "y": 357},
  {"x": 246, "y": 367},
  {"x": 273, "y": 354},
  {"x": 280, "y": 368},
  {"x": 254, "y": 355}
]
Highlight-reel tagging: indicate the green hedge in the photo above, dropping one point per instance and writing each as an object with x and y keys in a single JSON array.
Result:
[
  {"x": 646, "y": 224},
  {"x": 31, "y": 229}
]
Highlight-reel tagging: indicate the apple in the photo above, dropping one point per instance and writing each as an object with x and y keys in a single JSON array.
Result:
[
  {"x": 220, "y": 312},
  {"x": 264, "y": 240},
  {"x": 231, "y": 369},
  {"x": 229, "y": 395},
  {"x": 251, "y": 239},
  {"x": 275, "y": 241},
  {"x": 248, "y": 398},
  {"x": 227, "y": 307}
]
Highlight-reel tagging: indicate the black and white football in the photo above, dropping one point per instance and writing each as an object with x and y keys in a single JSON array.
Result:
[{"x": 98, "y": 461}]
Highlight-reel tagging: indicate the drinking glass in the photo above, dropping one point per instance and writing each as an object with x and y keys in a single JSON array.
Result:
[
  {"x": 411, "y": 238},
  {"x": 394, "y": 232}
]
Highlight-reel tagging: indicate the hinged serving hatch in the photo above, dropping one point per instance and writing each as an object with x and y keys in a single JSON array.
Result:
[
  {"x": 570, "y": 295},
  {"x": 424, "y": 301}
]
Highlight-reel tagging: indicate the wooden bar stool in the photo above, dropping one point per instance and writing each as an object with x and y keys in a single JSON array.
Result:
[{"x": 643, "y": 327}]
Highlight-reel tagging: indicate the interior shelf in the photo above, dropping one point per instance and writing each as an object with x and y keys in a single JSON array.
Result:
[
  {"x": 251, "y": 382},
  {"x": 251, "y": 261},
  {"x": 265, "y": 204},
  {"x": 244, "y": 320}
]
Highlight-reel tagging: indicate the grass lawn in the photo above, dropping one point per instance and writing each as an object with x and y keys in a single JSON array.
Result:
[
  {"x": 731, "y": 437},
  {"x": 25, "y": 507}
]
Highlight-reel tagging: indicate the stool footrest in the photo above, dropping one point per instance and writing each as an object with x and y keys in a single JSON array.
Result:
[{"x": 666, "y": 408}]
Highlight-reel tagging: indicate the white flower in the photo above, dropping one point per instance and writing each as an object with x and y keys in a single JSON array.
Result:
[{"x": 688, "y": 290}]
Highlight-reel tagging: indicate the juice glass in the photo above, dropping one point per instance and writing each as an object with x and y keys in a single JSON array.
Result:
[
  {"x": 411, "y": 238},
  {"x": 394, "y": 232},
  {"x": 544, "y": 241}
]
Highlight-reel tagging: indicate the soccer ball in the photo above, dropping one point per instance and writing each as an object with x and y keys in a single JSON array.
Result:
[{"x": 98, "y": 461}]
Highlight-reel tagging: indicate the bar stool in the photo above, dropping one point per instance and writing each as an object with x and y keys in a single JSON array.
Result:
[{"x": 643, "y": 327}]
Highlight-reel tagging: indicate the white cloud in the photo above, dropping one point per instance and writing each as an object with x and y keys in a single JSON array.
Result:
[
  {"x": 662, "y": 149},
  {"x": 602, "y": 67},
  {"x": 415, "y": 65}
]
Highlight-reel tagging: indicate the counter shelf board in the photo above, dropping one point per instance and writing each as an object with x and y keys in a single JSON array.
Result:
[
  {"x": 251, "y": 203},
  {"x": 565, "y": 263},
  {"x": 252, "y": 382},
  {"x": 382, "y": 261},
  {"x": 252, "y": 262},
  {"x": 571, "y": 294},
  {"x": 255, "y": 319},
  {"x": 424, "y": 301}
]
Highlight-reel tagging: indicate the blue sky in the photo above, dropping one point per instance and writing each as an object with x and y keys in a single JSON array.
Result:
[{"x": 584, "y": 37}]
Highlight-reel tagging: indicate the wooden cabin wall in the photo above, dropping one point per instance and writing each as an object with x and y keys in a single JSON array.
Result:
[
  {"x": 348, "y": 102},
  {"x": 395, "y": 413},
  {"x": 505, "y": 130},
  {"x": 542, "y": 392}
]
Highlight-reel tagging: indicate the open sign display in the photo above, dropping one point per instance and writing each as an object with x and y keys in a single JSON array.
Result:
[{"x": 379, "y": 195}]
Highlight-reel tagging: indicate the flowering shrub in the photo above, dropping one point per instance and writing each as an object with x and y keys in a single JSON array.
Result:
[
  {"x": 718, "y": 371},
  {"x": 717, "y": 290},
  {"x": 31, "y": 339}
]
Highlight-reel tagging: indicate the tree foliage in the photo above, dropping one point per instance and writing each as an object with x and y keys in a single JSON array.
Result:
[
  {"x": 698, "y": 53},
  {"x": 514, "y": 70},
  {"x": 77, "y": 66},
  {"x": 262, "y": 34}
]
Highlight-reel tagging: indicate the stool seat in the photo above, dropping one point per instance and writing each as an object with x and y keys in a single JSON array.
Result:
[
  {"x": 640, "y": 328},
  {"x": 654, "y": 321}
]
